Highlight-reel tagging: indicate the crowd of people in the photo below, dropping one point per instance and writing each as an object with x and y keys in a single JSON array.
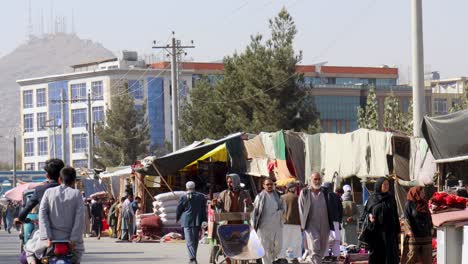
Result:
[
  {"x": 298, "y": 222},
  {"x": 310, "y": 223}
]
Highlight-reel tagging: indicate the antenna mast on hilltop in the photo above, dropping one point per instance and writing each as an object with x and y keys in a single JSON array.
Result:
[{"x": 30, "y": 24}]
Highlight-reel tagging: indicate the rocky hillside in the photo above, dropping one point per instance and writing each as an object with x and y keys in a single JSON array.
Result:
[{"x": 52, "y": 54}]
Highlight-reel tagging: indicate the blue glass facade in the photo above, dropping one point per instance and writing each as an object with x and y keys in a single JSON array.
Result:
[
  {"x": 155, "y": 106},
  {"x": 338, "y": 113},
  {"x": 54, "y": 92}
]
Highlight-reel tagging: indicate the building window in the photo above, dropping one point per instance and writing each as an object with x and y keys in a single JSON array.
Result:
[
  {"x": 98, "y": 114},
  {"x": 386, "y": 82},
  {"x": 28, "y": 147},
  {"x": 28, "y": 99},
  {"x": 41, "y": 165},
  {"x": 79, "y": 117},
  {"x": 78, "y": 91},
  {"x": 29, "y": 166},
  {"x": 440, "y": 106},
  {"x": 80, "y": 143},
  {"x": 41, "y": 121},
  {"x": 42, "y": 146},
  {"x": 98, "y": 93},
  {"x": 135, "y": 87},
  {"x": 28, "y": 122},
  {"x": 40, "y": 97},
  {"x": 80, "y": 163}
]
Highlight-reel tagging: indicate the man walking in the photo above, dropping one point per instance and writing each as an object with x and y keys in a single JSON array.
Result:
[
  {"x": 191, "y": 213},
  {"x": 335, "y": 215},
  {"x": 112, "y": 217},
  {"x": 127, "y": 219},
  {"x": 267, "y": 221},
  {"x": 97, "y": 212},
  {"x": 314, "y": 218},
  {"x": 61, "y": 214},
  {"x": 292, "y": 235}
]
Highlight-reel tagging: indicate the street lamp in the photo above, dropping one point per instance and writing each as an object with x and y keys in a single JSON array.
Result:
[{"x": 14, "y": 160}]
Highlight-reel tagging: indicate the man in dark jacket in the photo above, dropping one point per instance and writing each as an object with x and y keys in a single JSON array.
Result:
[
  {"x": 292, "y": 235},
  {"x": 97, "y": 213},
  {"x": 335, "y": 214},
  {"x": 191, "y": 213},
  {"x": 52, "y": 168}
]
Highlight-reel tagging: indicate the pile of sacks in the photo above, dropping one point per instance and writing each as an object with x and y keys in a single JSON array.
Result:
[{"x": 165, "y": 206}]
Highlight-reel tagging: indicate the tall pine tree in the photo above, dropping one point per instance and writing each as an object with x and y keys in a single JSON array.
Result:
[
  {"x": 124, "y": 136},
  {"x": 368, "y": 117},
  {"x": 392, "y": 114},
  {"x": 260, "y": 91}
]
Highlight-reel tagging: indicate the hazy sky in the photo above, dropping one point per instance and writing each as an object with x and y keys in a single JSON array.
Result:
[{"x": 342, "y": 32}]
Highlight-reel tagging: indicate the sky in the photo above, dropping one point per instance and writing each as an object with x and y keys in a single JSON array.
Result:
[{"x": 340, "y": 32}]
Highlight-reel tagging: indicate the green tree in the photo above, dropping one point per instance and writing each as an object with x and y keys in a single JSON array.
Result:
[
  {"x": 260, "y": 91},
  {"x": 463, "y": 101},
  {"x": 368, "y": 117},
  {"x": 124, "y": 136},
  {"x": 392, "y": 114}
]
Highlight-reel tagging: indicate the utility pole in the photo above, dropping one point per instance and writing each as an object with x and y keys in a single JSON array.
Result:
[
  {"x": 90, "y": 133},
  {"x": 419, "y": 100},
  {"x": 14, "y": 161},
  {"x": 174, "y": 49},
  {"x": 54, "y": 129},
  {"x": 64, "y": 125}
]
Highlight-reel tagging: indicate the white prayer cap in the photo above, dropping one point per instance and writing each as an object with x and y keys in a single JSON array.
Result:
[
  {"x": 190, "y": 185},
  {"x": 346, "y": 188}
]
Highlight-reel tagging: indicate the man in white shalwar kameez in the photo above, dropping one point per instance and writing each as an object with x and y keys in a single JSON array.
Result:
[
  {"x": 267, "y": 221},
  {"x": 314, "y": 219}
]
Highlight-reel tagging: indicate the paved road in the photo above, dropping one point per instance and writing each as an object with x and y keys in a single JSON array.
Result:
[{"x": 107, "y": 251}]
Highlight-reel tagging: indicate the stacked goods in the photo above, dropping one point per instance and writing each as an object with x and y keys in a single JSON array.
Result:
[
  {"x": 139, "y": 221},
  {"x": 443, "y": 202},
  {"x": 166, "y": 206}
]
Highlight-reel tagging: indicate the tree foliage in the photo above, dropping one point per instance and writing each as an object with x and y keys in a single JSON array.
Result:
[
  {"x": 260, "y": 91},
  {"x": 368, "y": 117},
  {"x": 463, "y": 101},
  {"x": 124, "y": 136},
  {"x": 393, "y": 117}
]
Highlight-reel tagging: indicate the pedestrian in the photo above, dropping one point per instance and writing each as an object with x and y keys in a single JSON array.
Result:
[
  {"x": 87, "y": 216},
  {"x": 234, "y": 199},
  {"x": 136, "y": 206},
  {"x": 314, "y": 216},
  {"x": 292, "y": 235},
  {"x": 118, "y": 212},
  {"x": 127, "y": 219},
  {"x": 112, "y": 217},
  {"x": 191, "y": 213},
  {"x": 381, "y": 211},
  {"x": 418, "y": 227},
  {"x": 335, "y": 215},
  {"x": 97, "y": 213},
  {"x": 267, "y": 221},
  {"x": 9, "y": 215},
  {"x": 61, "y": 216},
  {"x": 350, "y": 217}
]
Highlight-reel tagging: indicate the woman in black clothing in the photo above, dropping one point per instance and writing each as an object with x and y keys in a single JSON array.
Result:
[
  {"x": 381, "y": 211},
  {"x": 418, "y": 227}
]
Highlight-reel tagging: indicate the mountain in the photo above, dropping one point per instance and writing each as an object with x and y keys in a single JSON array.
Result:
[{"x": 40, "y": 56}]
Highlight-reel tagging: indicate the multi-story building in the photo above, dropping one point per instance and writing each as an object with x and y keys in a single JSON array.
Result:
[
  {"x": 338, "y": 91},
  {"x": 446, "y": 93}
]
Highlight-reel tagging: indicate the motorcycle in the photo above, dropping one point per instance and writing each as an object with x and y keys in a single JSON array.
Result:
[{"x": 59, "y": 252}]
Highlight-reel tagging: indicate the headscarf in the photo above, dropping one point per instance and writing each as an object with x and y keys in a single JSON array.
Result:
[
  {"x": 347, "y": 196},
  {"x": 414, "y": 195},
  {"x": 347, "y": 188},
  {"x": 378, "y": 189},
  {"x": 235, "y": 181}
]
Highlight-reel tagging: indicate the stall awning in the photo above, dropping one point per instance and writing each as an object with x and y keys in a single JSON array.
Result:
[
  {"x": 447, "y": 136},
  {"x": 217, "y": 154},
  {"x": 173, "y": 162}
]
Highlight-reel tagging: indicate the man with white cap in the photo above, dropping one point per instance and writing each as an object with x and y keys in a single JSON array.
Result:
[
  {"x": 191, "y": 213},
  {"x": 350, "y": 217}
]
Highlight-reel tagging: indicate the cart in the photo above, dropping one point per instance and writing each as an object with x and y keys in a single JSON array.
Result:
[{"x": 238, "y": 242}]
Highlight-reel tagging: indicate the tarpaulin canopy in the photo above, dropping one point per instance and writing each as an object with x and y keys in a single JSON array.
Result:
[
  {"x": 173, "y": 162},
  {"x": 217, "y": 154},
  {"x": 447, "y": 136}
]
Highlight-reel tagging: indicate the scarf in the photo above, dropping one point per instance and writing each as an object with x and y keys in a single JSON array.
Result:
[
  {"x": 414, "y": 195},
  {"x": 235, "y": 181}
]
